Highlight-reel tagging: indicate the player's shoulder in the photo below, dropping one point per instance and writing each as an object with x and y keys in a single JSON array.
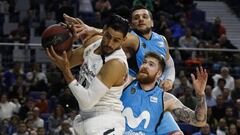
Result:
[
  {"x": 168, "y": 96},
  {"x": 156, "y": 35}
]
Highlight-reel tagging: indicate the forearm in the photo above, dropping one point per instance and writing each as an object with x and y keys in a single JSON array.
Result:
[
  {"x": 195, "y": 118},
  {"x": 87, "y": 98},
  {"x": 201, "y": 109},
  {"x": 169, "y": 71},
  {"x": 68, "y": 76}
]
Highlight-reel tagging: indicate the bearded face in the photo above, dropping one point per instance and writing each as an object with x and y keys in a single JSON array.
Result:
[
  {"x": 111, "y": 41},
  {"x": 145, "y": 77}
]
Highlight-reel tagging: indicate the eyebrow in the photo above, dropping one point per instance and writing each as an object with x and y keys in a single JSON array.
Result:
[
  {"x": 113, "y": 36},
  {"x": 150, "y": 61},
  {"x": 138, "y": 14}
]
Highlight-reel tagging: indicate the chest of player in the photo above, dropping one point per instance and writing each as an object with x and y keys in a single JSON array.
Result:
[
  {"x": 140, "y": 100},
  {"x": 142, "y": 109}
]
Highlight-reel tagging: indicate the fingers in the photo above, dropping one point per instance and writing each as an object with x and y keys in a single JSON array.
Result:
[
  {"x": 78, "y": 28},
  {"x": 65, "y": 56},
  {"x": 80, "y": 21},
  {"x": 78, "y": 31},
  {"x": 70, "y": 19},
  {"x": 64, "y": 25},
  {"x": 206, "y": 73},
  {"x": 49, "y": 54},
  {"x": 193, "y": 77},
  {"x": 201, "y": 74},
  {"x": 52, "y": 54},
  {"x": 162, "y": 85},
  {"x": 166, "y": 85},
  {"x": 198, "y": 72}
]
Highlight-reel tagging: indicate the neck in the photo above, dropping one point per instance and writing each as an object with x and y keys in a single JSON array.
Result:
[
  {"x": 147, "y": 35},
  {"x": 147, "y": 87},
  {"x": 98, "y": 51}
]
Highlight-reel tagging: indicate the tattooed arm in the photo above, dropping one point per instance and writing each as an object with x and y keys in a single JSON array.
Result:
[
  {"x": 183, "y": 113},
  {"x": 198, "y": 117}
]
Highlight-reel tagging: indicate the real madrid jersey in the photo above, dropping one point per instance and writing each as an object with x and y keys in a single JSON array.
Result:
[{"x": 90, "y": 68}]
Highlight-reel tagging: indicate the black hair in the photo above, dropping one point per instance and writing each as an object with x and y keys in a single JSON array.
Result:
[
  {"x": 141, "y": 7},
  {"x": 123, "y": 11},
  {"x": 118, "y": 23},
  {"x": 221, "y": 80},
  {"x": 158, "y": 57}
]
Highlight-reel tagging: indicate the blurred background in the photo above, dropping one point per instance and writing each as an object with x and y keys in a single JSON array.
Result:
[{"x": 33, "y": 94}]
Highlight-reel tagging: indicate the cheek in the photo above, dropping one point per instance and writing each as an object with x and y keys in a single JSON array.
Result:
[
  {"x": 116, "y": 45},
  {"x": 104, "y": 41},
  {"x": 134, "y": 22}
]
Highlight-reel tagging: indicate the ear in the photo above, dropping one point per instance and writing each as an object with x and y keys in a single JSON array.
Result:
[
  {"x": 152, "y": 23},
  {"x": 159, "y": 73}
]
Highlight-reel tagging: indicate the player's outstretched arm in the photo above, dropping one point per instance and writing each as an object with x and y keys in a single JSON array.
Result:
[
  {"x": 82, "y": 31},
  {"x": 197, "y": 117}
]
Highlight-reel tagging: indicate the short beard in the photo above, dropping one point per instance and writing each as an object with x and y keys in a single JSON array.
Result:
[
  {"x": 142, "y": 32},
  {"x": 145, "y": 79},
  {"x": 104, "y": 53}
]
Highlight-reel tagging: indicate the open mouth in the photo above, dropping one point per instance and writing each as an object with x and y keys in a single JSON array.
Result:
[{"x": 143, "y": 71}]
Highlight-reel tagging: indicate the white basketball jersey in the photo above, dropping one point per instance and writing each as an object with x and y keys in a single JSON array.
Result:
[{"x": 90, "y": 68}]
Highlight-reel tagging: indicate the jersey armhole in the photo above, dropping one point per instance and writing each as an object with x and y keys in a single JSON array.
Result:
[{"x": 161, "y": 116}]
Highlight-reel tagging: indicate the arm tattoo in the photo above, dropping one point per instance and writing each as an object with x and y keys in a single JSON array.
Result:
[
  {"x": 192, "y": 117},
  {"x": 183, "y": 114},
  {"x": 201, "y": 109}
]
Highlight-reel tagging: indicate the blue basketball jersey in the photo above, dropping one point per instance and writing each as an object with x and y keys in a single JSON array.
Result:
[
  {"x": 167, "y": 125},
  {"x": 142, "y": 109},
  {"x": 155, "y": 44}
]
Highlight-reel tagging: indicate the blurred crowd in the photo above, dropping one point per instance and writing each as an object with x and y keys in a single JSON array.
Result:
[{"x": 37, "y": 101}]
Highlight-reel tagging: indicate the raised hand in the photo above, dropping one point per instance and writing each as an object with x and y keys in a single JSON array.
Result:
[
  {"x": 60, "y": 61},
  {"x": 71, "y": 20},
  {"x": 200, "y": 82},
  {"x": 80, "y": 30},
  {"x": 166, "y": 84}
]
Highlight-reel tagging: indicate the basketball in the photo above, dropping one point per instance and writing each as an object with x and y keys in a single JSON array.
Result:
[{"x": 57, "y": 36}]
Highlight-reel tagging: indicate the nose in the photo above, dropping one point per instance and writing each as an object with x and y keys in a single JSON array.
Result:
[
  {"x": 141, "y": 19},
  {"x": 109, "y": 43},
  {"x": 145, "y": 65}
]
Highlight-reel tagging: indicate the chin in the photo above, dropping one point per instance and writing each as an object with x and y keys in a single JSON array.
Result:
[
  {"x": 108, "y": 52},
  {"x": 141, "y": 29},
  {"x": 141, "y": 76}
]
